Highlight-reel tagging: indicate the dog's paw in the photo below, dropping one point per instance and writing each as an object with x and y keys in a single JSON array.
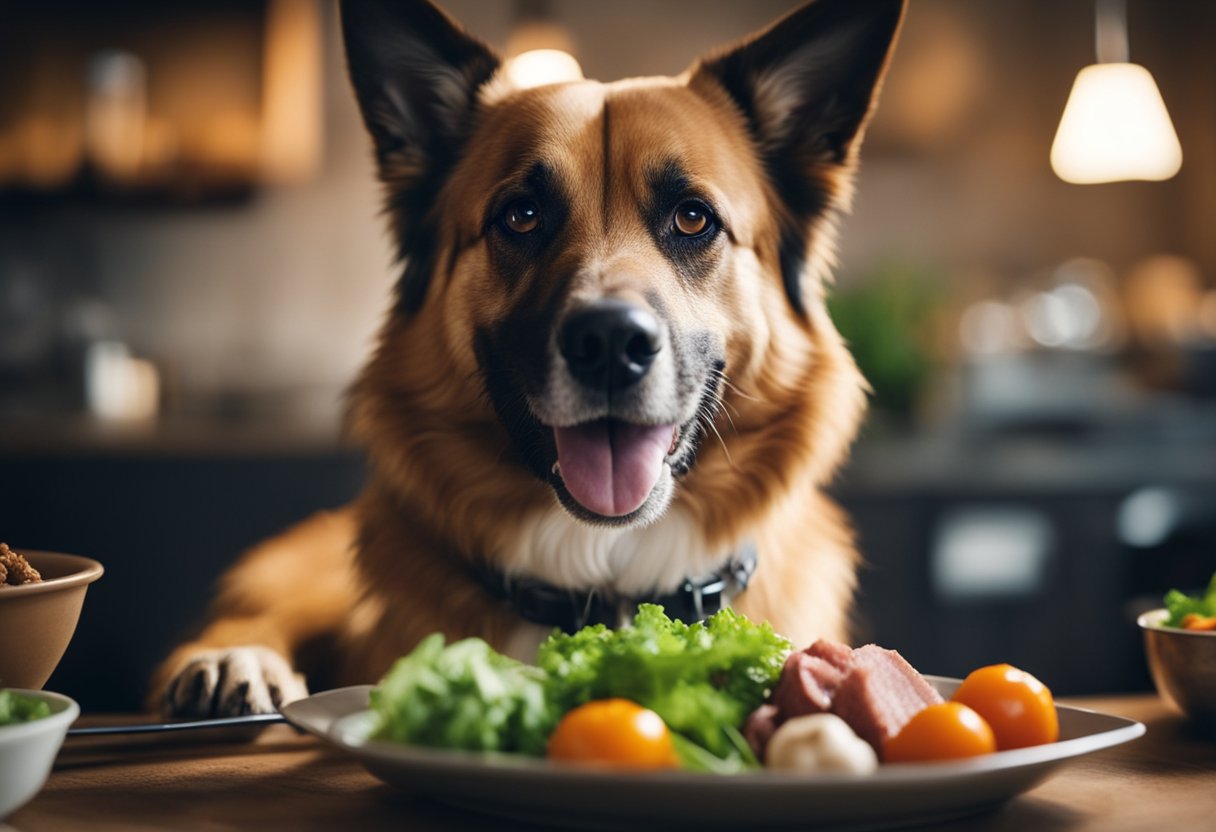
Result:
[{"x": 233, "y": 682}]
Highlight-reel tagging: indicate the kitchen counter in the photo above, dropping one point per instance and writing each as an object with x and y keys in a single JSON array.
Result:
[{"x": 1165, "y": 780}]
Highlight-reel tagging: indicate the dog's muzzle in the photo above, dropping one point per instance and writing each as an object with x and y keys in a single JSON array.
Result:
[{"x": 611, "y": 464}]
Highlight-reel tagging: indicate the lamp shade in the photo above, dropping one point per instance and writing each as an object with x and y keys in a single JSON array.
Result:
[{"x": 1115, "y": 127}]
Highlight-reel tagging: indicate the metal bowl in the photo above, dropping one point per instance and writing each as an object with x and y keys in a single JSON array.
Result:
[{"x": 1183, "y": 664}]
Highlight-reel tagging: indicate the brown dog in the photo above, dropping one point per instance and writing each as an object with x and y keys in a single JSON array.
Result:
[{"x": 603, "y": 285}]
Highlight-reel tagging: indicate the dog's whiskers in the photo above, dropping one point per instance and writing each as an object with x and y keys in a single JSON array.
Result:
[
  {"x": 706, "y": 414},
  {"x": 729, "y": 408},
  {"x": 726, "y": 412},
  {"x": 734, "y": 388},
  {"x": 724, "y": 405}
]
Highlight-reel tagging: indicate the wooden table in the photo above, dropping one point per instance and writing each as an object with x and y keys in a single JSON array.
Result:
[{"x": 1163, "y": 781}]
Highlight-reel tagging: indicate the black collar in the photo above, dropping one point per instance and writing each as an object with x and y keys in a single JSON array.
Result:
[{"x": 571, "y": 609}]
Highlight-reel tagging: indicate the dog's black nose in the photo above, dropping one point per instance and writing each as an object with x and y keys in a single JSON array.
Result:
[{"x": 610, "y": 344}]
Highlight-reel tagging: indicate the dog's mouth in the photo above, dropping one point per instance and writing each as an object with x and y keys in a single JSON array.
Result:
[
  {"x": 608, "y": 463},
  {"x": 610, "y": 466}
]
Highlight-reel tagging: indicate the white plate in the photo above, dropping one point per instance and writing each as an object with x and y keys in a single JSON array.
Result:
[{"x": 538, "y": 791}]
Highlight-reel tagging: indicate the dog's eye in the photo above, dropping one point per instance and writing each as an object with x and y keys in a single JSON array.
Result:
[
  {"x": 692, "y": 218},
  {"x": 521, "y": 217}
]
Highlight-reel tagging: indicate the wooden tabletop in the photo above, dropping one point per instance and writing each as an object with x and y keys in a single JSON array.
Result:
[{"x": 1165, "y": 780}]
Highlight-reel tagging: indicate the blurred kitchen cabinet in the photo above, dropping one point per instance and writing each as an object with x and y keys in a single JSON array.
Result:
[{"x": 182, "y": 101}]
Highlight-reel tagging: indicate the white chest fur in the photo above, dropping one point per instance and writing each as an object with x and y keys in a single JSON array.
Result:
[{"x": 553, "y": 547}]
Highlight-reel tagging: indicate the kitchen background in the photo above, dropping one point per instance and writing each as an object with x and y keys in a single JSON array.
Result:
[{"x": 192, "y": 266}]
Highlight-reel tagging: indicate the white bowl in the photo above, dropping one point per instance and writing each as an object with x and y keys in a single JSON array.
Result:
[{"x": 28, "y": 749}]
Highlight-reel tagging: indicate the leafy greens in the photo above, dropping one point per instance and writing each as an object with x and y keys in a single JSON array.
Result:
[
  {"x": 15, "y": 708},
  {"x": 703, "y": 679},
  {"x": 464, "y": 696},
  {"x": 1180, "y": 604}
]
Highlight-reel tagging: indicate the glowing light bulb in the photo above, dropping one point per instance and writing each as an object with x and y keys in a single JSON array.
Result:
[
  {"x": 1115, "y": 127},
  {"x": 538, "y": 67}
]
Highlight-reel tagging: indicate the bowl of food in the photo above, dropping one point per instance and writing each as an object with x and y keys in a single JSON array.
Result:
[
  {"x": 41, "y": 595},
  {"x": 32, "y": 727},
  {"x": 1180, "y": 642}
]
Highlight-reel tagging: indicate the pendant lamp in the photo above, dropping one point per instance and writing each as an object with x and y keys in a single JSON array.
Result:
[{"x": 1115, "y": 126}]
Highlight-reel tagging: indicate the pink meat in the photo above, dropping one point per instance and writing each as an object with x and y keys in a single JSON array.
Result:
[
  {"x": 760, "y": 727},
  {"x": 881, "y": 694},
  {"x": 839, "y": 656},
  {"x": 872, "y": 689},
  {"x": 807, "y": 685}
]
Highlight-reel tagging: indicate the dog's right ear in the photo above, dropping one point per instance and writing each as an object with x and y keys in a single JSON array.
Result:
[{"x": 416, "y": 75}]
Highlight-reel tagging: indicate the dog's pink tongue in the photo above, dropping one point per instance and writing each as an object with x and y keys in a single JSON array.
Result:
[{"x": 610, "y": 466}]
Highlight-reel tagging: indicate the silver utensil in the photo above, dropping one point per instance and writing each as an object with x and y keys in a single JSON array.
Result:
[{"x": 186, "y": 725}]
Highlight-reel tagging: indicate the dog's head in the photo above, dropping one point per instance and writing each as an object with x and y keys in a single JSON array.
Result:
[{"x": 599, "y": 277}]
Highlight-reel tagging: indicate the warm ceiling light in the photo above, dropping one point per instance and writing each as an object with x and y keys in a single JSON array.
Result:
[
  {"x": 538, "y": 67},
  {"x": 540, "y": 49},
  {"x": 1115, "y": 126}
]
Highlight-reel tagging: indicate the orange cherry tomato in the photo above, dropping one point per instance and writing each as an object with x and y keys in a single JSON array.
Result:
[
  {"x": 1017, "y": 705},
  {"x": 946, "y": 731},
  {"x": 614, "y": 732}
]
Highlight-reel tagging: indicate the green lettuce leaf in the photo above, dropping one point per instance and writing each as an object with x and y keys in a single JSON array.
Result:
[
  {"x": 703, "y": 679},
  {"x": 463, "y": 695},
  {"x": 1180, "y": 604}
]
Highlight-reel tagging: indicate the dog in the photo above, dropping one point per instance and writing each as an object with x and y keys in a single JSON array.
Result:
[{"x": 608, "y": 374}]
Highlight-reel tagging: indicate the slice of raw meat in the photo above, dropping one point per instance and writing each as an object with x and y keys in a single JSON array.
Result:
[
  {"x": 807, "y": 685},
  {"x": 880, "y": 694},
  {"x": 873, "y": 689},
  {"x": 839, "y": 656}
]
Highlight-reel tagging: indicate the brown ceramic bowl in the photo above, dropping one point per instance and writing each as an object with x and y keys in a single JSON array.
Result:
[
  {"x": 37, "y": 620},
  {"x": 1183, "y": 664}
]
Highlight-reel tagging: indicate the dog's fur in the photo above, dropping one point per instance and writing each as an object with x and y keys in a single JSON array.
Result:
[{"x": 458, "y": 404}]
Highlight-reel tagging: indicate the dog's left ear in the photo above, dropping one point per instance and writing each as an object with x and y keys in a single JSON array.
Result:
[
  {"x": 807, "y": 86},
  {"x": 417, "y": 75}
]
